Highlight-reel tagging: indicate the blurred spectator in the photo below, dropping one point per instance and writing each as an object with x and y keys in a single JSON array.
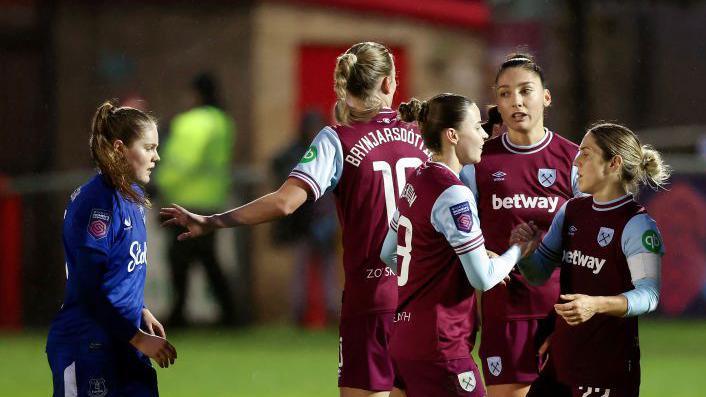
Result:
[
  {"x": 493, "y": 125},
  {"x": 311, "y": 232},
  {"x": 195, "y": 171}
]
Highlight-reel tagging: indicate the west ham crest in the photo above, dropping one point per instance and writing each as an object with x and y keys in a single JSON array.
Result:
[
  {"x": 546, "y": 176},
  {"x": 605, "y": 235},
  {"x": 97, "y": 388},
  {"x": 467, "y": 380},
  {"x": 495, "y": 365}
]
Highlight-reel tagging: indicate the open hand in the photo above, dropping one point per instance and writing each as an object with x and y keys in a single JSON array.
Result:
[
  {"x": 155, "y": 347},
  {"x": 196, "y": 225}
]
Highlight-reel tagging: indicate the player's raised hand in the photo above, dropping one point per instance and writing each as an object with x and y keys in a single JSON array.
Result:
[
  {"x": 196, "y": 225},
  {"x": 577, "y": 309},
  {"x": 155, "y": 347}
]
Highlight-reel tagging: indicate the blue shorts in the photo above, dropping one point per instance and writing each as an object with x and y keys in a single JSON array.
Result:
[{"x": 95, "y": 370}]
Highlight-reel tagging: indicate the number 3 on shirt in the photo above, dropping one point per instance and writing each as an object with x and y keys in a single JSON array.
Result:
[
  {"x": 404, "y": 252},
  {"x": 388, "y": 184}
]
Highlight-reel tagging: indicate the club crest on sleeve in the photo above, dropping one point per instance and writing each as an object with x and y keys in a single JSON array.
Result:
[
  {"x": 495, "y": 365},
  {"x": 546, "y": 176},
  {"x": 461, "y": 214},
  {"x": 99, "y": 223},
  {"x": 467, "y": 380},
  {"x": 605, "y": 235}
]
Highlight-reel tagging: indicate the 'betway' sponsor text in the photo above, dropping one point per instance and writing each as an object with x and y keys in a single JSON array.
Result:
[{"x": 523, "y": 201}]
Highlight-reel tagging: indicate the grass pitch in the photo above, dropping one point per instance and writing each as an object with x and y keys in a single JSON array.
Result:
[{"x": 287, "y": 362}]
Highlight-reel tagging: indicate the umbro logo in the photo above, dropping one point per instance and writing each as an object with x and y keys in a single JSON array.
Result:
[
  {"x": 572, "y": 230},
  {"x": 127, "y": 223},
  {"x": 498, "y": 176}
]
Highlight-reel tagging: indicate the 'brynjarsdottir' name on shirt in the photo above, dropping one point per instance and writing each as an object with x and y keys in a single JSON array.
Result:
[{"x": 376, "y": 138}]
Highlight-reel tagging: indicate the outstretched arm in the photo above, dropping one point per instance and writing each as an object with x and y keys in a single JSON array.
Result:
[{"x": 282, "y": 202}]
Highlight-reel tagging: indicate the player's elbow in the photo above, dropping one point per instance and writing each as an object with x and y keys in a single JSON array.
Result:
[{"x": 285, "y": 205}]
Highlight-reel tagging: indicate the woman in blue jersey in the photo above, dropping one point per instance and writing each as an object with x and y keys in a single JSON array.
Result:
[
  {"x": 609, "y": 251},
  {"x": 101, "y": 341}
]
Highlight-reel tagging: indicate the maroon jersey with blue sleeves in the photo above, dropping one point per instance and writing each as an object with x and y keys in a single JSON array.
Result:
[
  {"x": 515, "y": 184},
  {"x": 436, "y": 222},
  {"x": 365, "y": 165},
  {"x": 596, "y": 241}
]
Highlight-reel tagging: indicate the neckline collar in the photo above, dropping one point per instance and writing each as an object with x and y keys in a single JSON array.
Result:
[{"x": 529, "y": 149}]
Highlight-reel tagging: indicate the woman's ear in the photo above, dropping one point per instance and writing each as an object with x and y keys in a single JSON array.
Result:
[
  {"x": 616, "y": 163},
  {"x": 386, "y": 86},
  {"x": 118, "y": 145},
  {"x": 547, "y": 98},
  {"x": 452, "y": 135}
]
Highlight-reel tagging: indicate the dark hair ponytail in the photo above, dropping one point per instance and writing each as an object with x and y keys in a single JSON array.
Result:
[
  {"x": 435, "y": 115},
  {"x": 522, "y": 60}
]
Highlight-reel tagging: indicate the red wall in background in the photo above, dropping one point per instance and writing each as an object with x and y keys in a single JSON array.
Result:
[{"x": 315, "y": 78}]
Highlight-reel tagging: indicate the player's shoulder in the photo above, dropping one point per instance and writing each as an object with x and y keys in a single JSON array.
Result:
[
  {"x": 97, "y": 193},
  {"x": 579, "y": 202},
  {"x": 561, "y": 143},
  {"x": 493, "y": 145}
]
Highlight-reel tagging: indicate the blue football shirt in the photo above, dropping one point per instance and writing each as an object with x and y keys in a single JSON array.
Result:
[{"x": 105, "y": 242}]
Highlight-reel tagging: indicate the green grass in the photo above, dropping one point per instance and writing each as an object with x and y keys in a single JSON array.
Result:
[{"x": 290, "y": 362}]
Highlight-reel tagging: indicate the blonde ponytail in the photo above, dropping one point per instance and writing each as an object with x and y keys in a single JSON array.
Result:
[
  {"x": 653, "y": 171},
  {"x": 357, "y": 75}
]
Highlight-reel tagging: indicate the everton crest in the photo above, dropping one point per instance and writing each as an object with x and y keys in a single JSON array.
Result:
[
  {"x": 546, "y": 176},
  {"x": 97, "y": 388},
  {"x": 605, "y": 235}
]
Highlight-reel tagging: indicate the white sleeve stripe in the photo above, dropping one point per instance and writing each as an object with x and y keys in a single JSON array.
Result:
[
  {"x": 469, "y": 249},
  {"x": 467, "y": 242},
  {"x": 309, "y": 181}
]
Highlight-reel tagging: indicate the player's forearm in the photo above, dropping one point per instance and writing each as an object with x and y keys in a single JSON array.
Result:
[
  {"x": 643, "y": 298},
  {"x": 389, "y": 250},
  {"x": 484, "y": 273},
  {"x": 264, "y": 209},
  {"x": 611, "y": 305},
  {"x": 269, "y": 207},
  {"x": 536, "y": 268}
]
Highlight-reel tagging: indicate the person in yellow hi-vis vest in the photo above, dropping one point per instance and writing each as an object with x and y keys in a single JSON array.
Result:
[{"x": 195, "y": 171}]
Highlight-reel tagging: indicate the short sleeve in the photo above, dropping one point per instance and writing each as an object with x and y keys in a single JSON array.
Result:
[
  {"x": 641, "y": 236},
  {"x": 455, "y": 215},
  {"x": 322, "y": 164},
  {"x": 468, "y": 177},
  {"x": 550, "y": 247}
]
